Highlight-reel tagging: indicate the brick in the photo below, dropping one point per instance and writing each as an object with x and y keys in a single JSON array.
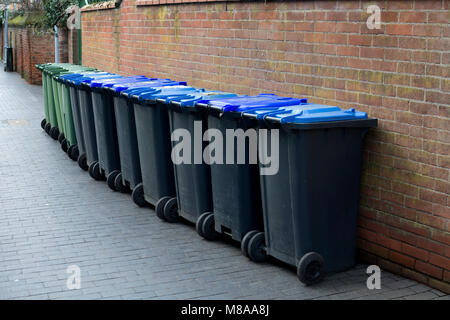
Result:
[
  {"x": 430, "y": 245},
  {"x": 431, "y": 220},
  {"x": 440, "y": 261},
  {"x": 426, "y": 31},
  {"x": 414, "y": 17},
  {"x": 438, "y": 17},
  {"x": 415, "y": 252},
  {"x": 428, "y": 5},
  {"x": 410, "y": 93},
  {"x": 429, "y": 269},
  {"x": 401, "y": 259},
  {"x": 399, "y": 29},
  {"x": 433, "y": 197}
]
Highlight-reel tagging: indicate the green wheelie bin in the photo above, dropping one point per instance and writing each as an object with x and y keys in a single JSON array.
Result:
[
  {"x": 53, "y": 123},
  {"x": 67, "y": 137},
  {"x": 50, "y": 125},
  {"x": 58, "y": 99}
]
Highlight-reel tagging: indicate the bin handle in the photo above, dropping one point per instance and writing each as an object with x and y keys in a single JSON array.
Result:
[{"x": 291, "y": 117}]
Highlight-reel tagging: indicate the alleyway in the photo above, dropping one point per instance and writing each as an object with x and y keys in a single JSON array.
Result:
[{"x": 54, "y": 215}]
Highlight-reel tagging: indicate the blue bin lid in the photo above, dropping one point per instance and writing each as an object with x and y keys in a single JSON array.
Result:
[
  {"x": 260, "y": 113},
  {"x": 191, "y": 99},
  {"x": 152, "y": 82},
  {"x": 312, "y": 113},
  {"x": 138, "y": 90},
  {"x": 70, "y": 76},
  {"x": 87, "y": 79},
  {"x": 311, "y": 116},
  {"x": 163, "y": 93},
  {"x": 245, "y": 103},
  {"x": 97, "y": 83}
]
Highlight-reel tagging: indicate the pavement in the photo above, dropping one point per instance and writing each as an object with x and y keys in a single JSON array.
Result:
[{"x": 54, "y": 216}]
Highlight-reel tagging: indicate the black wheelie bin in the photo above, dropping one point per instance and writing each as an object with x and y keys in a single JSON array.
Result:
[
  {"x": 74, "y": 150},
  {"x": 192, "y": 175},
  {"x": 153, "y": 136},
  {"x": 310, "y": 203},
  {"x": 234, "y": 177},
  {"x": 108, "y": 164},
  {"x": 87, "y": 160},
  {"x": 130, "y": 177}
]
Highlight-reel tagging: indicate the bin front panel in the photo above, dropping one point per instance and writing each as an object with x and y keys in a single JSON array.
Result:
[
  {"x": 325, "y": 174},
  {"x": 57, "y": 104},
  {"x": 152, "y": 127},
  {"x": 276, "y": 204},
  {"x": 235, "y": 188},
  {"x": 44, "y": 90},
  {"x": 51, "y": 102},
  {"x": 127, "y": 140},
  {"x": 105, "y": 132},
  {"x": 88, "y": 125},
  {"x": 68, "y": 115},
  {"x": 75, "y": 106},
  {"x": 192, "y": 181}
]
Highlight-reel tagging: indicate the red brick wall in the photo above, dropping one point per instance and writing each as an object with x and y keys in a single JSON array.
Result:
[
  {"x": 73, "y": 46},
  {"x": 31, "y": 47},
  {"x": 323, "y": 51},
  {"x": 63, "y": 42}
]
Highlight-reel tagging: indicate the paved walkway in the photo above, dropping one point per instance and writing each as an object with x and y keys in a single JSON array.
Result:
[{"x": 54, "y": 215}]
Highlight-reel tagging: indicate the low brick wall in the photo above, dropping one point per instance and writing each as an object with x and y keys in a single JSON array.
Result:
[{"x": 324, "y": 51}]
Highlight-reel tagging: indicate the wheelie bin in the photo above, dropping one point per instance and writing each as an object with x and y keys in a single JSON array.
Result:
[
  {"x": 90, "y": 156},
  {"x": 54, "y": 125},
  {"x": 108, "y": 164},
  {"x": 44, "y": 121},
  {"x": 71, "y": 110},
  {"x": 310, "y": 204},
  {"x": 235, "y": 177},
  {"x": 51, "y": 124},
  {"x": 153, "y": 136},
  {"x": 192, "y": 176},
  {"x": 130, "y": 178},
  {"x": 75, "y": 149},
  {"x": 67, "y": 136}
]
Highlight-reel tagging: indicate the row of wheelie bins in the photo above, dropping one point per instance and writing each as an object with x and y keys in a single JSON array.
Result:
[{"x": 277, "y": 174}]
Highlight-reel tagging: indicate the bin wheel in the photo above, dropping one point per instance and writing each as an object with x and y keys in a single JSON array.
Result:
[
  {"x": 309, "y": 269},
  {"x": 246, "y": 240},
  {"x": 95, "y": 172},
  {"x": 43, "y": 123},
  {"x": 54, "y": 133},
  {"x": 64, "y": 145},
  {"x": 61, "y": 137},
  {"x": 82, "y": 162},
  {"x": 111, "y": 179},
  {"x": 47, "y": 128},
  {"x": 73, "y": 152},
  {"x": 208, "y": 230},
  {"x": 171, "y": 210},
  {"x": 199, "y": 223},
  {"x": 257, "y": 248},
  {"x": 159, "y": 208},
  {"x": 119, "y": 185},
  {"x": 138, "y": 195}
]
